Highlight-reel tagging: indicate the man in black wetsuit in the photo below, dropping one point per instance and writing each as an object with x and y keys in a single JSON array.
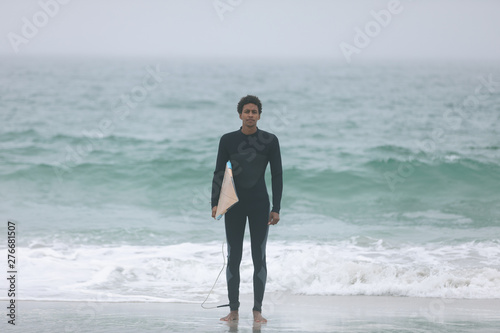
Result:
[{"x": 249, "y": 149}]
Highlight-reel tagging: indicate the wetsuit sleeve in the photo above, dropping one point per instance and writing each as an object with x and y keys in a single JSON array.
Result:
[
  {"x": 276, "y": 176},
  {"x": 220, "y": 167}
]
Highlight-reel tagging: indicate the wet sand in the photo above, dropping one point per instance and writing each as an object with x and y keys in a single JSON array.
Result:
[{"x": 285, "y": 313}]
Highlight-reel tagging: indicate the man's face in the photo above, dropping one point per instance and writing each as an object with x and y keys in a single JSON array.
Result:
[{"x": 250, "y": 115}]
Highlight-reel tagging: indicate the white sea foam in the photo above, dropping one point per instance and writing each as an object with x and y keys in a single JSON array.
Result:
[{"x": 186, "y": 272}]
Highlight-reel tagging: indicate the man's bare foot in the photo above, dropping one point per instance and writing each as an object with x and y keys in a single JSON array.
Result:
[
  {"x": 257, "y": 317},
  {"x": 233, "y": 315}
]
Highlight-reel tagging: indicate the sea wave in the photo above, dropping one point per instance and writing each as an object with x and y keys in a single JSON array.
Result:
[{"x": 185, "y": 272}]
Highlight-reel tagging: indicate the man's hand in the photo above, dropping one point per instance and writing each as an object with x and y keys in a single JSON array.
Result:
[
  {"x": 273, "y": 218},
  {"x": 214, "y": 211}
]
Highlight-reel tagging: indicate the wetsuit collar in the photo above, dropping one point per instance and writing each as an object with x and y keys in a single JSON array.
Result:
[{"x": 257, "y": 131}]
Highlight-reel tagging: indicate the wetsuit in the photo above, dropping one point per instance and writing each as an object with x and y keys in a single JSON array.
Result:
[{"x": 249, "y": 156}]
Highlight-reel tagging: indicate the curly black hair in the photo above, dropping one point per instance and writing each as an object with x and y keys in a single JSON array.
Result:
[{"x": 249, "y": 99}]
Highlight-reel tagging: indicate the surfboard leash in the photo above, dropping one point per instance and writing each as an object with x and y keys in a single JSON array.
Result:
[{"x": 217, "y": 279}]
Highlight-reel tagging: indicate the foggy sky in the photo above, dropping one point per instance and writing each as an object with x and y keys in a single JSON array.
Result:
[{"x": 461, "y": 29}]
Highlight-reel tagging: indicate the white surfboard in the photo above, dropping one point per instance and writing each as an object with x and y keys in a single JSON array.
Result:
[{"x": 228, "y": 196}]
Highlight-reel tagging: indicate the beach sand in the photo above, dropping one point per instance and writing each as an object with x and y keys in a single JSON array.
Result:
[{"x": 285, "y": 313}]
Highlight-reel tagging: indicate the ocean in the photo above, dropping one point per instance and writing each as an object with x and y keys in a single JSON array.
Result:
[{"x": 391, "y": 176}]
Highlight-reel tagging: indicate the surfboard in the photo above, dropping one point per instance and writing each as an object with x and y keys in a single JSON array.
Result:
[{"x": 228, "y": 196}]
